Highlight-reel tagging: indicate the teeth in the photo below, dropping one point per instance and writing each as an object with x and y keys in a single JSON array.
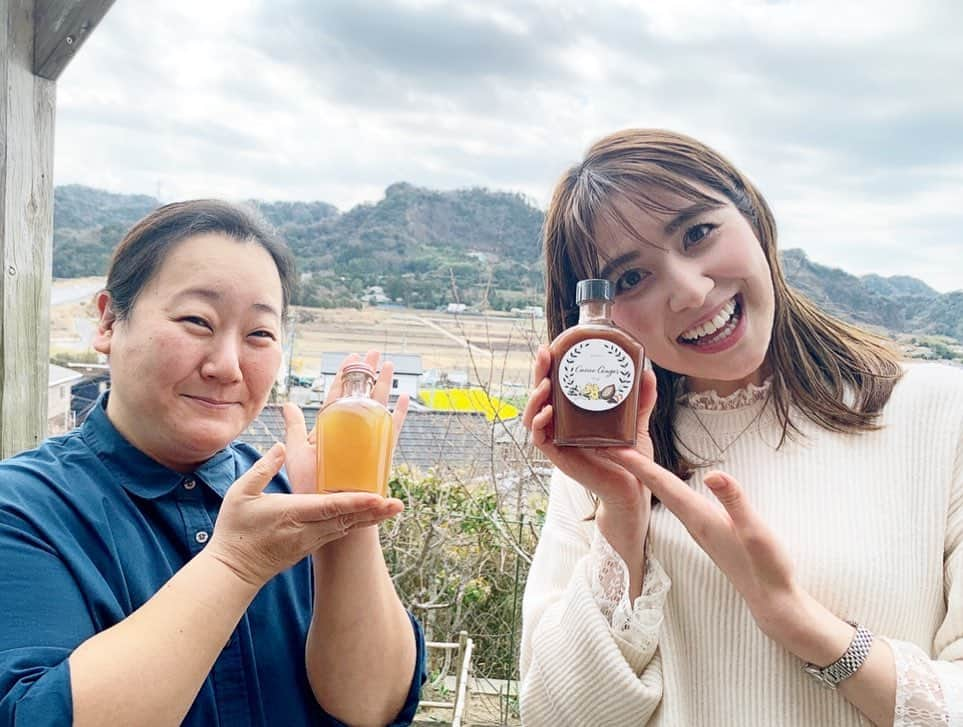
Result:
[{"x": 709, "y": 327}]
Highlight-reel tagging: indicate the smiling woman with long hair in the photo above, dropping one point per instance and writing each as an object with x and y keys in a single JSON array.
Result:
[{"x": 789, "y": 519}]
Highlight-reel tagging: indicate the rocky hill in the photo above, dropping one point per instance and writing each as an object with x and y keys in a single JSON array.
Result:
[{"x": 899, "y": 304}]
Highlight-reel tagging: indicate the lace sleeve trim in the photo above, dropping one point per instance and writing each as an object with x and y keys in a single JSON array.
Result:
[
  {"x": 638, "y": 623},
  {"x": 920, "y": 700}
]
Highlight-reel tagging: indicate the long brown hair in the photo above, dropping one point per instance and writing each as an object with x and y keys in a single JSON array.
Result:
[{"x": 815, "y": 359}]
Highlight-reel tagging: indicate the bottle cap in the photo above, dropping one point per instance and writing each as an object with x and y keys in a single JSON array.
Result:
[
  {"x": 358, "y": 368},
  {"x": 593, "y": 289}
]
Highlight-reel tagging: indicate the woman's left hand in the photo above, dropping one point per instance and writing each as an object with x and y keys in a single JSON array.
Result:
[
  {"x": 301, "y": 461},
  {"x": 734, "y": 536}
]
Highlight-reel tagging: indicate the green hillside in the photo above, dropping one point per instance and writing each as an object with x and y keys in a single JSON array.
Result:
[{"x": 426, "y": 248}]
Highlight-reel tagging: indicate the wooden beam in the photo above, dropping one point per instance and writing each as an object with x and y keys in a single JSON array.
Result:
[
  {"x": 60, "y": 28},
  {"x": 27, "y": 109}
]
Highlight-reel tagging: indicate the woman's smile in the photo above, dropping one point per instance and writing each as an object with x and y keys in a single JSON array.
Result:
[
  {"x": 720, "y": 332},
  {"x": 211, "y": 403}
]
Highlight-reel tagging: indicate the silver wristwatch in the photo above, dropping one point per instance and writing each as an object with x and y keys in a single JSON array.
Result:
[{"x": 846, "y": 665}]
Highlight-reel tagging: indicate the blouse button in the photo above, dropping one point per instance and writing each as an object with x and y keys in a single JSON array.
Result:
[
  {"x": 201, "y": 536},
  {"x": 189, "y": 484}
]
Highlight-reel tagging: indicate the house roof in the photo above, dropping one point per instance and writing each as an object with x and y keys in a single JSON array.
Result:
[
  {"x": 405, "y": 363},
  {"x": 61, "y": 375},
  {"x": 429, "y": 439}
]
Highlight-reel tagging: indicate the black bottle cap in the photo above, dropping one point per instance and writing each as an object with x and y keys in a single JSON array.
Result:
[{"x": 593, "y": 289}]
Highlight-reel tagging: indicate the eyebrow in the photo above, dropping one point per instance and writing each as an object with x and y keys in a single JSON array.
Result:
[
  {"x": 688, "y": 213},
  {"x": 670, "y": 229},
  {"x": 214, "y": 296}
]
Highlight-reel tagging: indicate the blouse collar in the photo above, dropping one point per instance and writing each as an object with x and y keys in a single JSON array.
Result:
[{"x": 739, "y": 399}]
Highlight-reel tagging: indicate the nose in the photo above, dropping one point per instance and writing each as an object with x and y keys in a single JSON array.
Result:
[
  {"x": 688, "y": 288},
  {"x": 223, "y": 362}
]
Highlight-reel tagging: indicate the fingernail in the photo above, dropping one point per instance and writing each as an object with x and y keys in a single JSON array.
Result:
[{"x": 715, "y": 482}]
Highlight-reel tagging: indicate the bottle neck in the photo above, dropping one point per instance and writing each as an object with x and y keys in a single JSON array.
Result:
[
  {"x": 357, "y": 384},
  {"x": 595, "y": 311}
]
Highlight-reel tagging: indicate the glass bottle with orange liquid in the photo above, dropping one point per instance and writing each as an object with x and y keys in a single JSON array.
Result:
[{"x": 354, "y": 437}]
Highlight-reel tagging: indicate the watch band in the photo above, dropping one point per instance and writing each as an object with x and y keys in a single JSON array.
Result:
[{"x": 846, "y": 665}]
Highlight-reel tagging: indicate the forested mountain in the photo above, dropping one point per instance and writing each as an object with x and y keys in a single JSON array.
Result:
[
  {"x": 427, "y": 248},
  {"x": 899, "y": 303}
]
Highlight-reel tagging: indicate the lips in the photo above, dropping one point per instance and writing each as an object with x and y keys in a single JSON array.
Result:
[{"x": 211, "y": 402}]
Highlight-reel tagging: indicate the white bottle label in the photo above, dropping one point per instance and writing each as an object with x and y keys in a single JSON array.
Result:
[{"x": 596, "y": 375}]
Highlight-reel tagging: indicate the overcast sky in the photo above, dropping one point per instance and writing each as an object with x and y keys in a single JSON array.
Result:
[{"x": 848, "y": 114}]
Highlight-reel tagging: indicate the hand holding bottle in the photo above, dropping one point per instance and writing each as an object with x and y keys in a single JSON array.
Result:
[
  {"x": 259, "y": 534},
  {"x": 609, "y": 481}
]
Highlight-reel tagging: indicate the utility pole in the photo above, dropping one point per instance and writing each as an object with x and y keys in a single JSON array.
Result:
[
  {"x": 488, "y": 287},
  {"x": 454, "y": 287},
  {"x": 286, "y": 387}
]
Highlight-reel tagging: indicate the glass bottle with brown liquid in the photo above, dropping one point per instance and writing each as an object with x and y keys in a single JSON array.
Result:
[
  {"x": 354, "y": 437},
  {"x": 596, "y": 368}
]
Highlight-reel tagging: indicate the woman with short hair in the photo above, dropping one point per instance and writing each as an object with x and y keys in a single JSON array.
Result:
[{"x": 156, "y": 571}]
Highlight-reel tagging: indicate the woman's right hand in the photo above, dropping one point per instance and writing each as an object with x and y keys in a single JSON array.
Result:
[
  {"x": 260, "y": 534},
  {"x": 616, "y": 487}
]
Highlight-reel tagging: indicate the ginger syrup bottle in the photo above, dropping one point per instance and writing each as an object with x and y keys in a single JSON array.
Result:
[
  {"x": 354, "y": 437},
  {"x": 596, "y": 368}
]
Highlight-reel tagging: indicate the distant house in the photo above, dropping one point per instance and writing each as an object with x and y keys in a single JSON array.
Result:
[
  {"x": 405, "y": 381},
  {"x": 445, "y": 379},
  {"x": 531, "y": 311},
  {"x": 60, "y": 418},
  {"x": 95, "y": 380},
  {"x": 375, "y": 295}
]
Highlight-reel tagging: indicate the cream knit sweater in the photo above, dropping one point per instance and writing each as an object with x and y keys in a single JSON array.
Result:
[{"x": 873, "y": 523}]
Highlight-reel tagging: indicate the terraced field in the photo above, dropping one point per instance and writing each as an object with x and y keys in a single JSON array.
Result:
[{"x": 494, "y": 349}]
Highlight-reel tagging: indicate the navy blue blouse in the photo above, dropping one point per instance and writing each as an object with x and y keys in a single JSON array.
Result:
[{"x": 90, "y": 529}]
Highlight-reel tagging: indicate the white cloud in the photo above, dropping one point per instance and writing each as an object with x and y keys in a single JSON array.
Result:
[{"x": 845, "y": 114}]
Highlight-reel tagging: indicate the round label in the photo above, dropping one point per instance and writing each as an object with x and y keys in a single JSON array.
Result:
[{"x": 596, "y": 375}]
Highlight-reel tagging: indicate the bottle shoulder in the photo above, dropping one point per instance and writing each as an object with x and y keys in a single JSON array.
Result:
[
  {"x": 354, "y": 404},
  {"x": 584, "y": 331}
]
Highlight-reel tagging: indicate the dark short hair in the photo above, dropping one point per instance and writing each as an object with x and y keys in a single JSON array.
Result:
[{"x": 147, "y": 244}]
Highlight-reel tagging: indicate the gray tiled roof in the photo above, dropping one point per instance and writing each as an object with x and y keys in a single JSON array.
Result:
[{"x": 429, "y": 439}]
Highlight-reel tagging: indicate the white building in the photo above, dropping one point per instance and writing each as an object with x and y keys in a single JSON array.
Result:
[
  {"x": 59, "y": 417},
  {"x": 375, "y": 295},
  {"x": 405, "y": 380}
]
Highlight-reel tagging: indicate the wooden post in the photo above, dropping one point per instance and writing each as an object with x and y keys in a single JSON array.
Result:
[
  {"x": 60, "y": 28},
  {"x": 465, "y": 646},
  {"x": 37, "y": 40},
  {"x": 27, "y": 108}
]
